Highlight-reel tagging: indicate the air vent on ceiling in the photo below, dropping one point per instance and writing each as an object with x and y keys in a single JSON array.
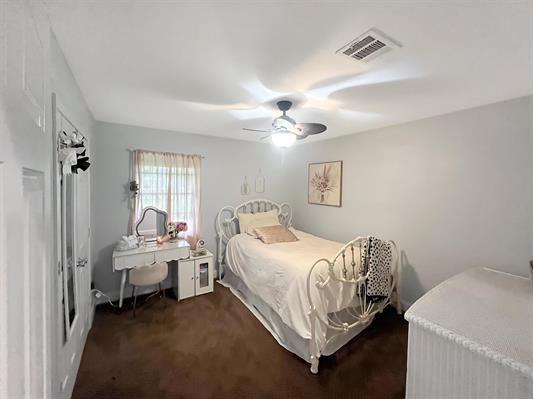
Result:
[{"x": 368, "y": 46}]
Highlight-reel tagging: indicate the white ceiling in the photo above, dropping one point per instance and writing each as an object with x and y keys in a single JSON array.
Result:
[{"x": 213, "y": 67}]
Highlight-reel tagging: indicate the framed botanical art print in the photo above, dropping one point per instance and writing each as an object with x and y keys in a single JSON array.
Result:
[{"x": 324, "y": 183}]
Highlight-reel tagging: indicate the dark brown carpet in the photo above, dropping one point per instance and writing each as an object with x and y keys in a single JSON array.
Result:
[{"x": 211, "y": 346}]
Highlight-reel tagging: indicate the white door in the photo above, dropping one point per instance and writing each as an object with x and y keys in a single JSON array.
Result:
[
  {"x": 186, "y": 274},
  {"x": 73, "y": 276},
  {"x": 26, "y": 225}
]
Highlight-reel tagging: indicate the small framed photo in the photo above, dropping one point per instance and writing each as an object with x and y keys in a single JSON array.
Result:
[{"x": 324, "y": 183}]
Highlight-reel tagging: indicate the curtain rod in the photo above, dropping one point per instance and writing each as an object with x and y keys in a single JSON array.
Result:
[{"x": 164, "y": 152}]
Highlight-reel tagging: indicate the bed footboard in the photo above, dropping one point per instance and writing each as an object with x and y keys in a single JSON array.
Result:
[{"x": 344, "y": 280}]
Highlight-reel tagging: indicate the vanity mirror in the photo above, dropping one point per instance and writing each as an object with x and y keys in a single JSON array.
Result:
[{"x": 151, "y": 224}]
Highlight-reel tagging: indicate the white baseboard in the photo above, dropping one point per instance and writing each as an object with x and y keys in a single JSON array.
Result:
[{"x": 115, "y": 294}]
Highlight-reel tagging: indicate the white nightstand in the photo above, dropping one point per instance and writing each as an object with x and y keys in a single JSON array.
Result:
[{"x": 194, "y": 276}]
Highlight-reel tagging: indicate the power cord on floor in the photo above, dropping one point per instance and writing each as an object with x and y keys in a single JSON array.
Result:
[{"x": 99, "y": 294}]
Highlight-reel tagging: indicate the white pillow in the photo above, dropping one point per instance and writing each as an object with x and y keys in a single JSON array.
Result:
[
  {"x": 245, "y": 220},
  {"x": 249, "y": 221}
]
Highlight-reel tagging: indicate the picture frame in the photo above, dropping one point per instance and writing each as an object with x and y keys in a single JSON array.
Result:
[{"x": 324, "y": 183}]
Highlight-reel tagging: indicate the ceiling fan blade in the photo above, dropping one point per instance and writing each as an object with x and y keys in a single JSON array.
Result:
[
  {"x": 311, "y": 128},
  {"x": 265, "y": 137},
  {"x": 256, "y": 130}
]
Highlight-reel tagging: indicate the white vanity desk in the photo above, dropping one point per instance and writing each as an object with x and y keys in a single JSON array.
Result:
[{"x": 150, "y": 254}]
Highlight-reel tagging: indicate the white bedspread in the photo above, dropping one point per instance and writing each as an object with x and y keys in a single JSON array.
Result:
[{"x": 277, "y": 273}]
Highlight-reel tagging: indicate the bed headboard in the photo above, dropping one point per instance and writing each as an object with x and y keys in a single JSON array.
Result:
[{"x": 227, "y": 221}]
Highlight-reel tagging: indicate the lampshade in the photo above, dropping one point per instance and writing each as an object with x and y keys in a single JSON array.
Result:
[{"x": 283, "y": 140}]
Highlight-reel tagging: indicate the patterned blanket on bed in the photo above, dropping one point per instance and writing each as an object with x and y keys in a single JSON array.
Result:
[{"x": 376, "y": 260}]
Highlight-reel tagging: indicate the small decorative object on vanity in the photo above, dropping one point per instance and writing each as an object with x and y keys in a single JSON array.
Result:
[
  {"x": 200, "y": 249},
  {"x": 127, "y": 242},
  {"x": 161, "y": 240},
  {"x": 175, "y": 228}
]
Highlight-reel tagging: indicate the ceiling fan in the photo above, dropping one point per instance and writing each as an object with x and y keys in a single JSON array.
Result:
[{"x": 285, "y": 131}]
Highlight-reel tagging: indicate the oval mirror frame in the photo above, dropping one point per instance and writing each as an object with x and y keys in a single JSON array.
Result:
[{"x": 143, "y": 214}]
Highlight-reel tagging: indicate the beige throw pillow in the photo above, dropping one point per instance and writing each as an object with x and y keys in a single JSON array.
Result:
[
  {"x": 249, "y": 221},
  {"x": 275, "y": 234}
]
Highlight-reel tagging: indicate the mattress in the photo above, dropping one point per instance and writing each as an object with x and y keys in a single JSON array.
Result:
[{"x": 277, "y": 274}]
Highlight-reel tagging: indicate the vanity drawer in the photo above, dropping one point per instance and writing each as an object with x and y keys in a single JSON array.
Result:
[
  {"x": 168, "y": 255},
  {"x": 130, "y": 261}
]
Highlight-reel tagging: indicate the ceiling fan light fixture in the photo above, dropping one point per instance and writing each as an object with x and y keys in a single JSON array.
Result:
[
  {"x": 284, "y": 123},
  {"x": 283, "y": 140},
  {"x": 285, "y": 131}
]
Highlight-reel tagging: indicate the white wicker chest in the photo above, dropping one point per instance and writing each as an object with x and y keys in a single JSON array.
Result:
[{"x": 472, "y": 337}]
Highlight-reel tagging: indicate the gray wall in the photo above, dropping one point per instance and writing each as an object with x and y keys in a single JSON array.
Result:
[
  {"x": 224, "y": 167},
  {"x": 453, "y": 191}
]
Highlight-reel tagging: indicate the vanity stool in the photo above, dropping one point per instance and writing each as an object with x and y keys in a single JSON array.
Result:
[{"x": 148, "y": 275}]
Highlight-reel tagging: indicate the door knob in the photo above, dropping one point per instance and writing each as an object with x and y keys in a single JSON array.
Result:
[{"x": 82, "y": 262}]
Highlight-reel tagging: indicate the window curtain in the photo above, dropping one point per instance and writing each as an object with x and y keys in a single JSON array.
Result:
[{"x": 170, "y": 182}]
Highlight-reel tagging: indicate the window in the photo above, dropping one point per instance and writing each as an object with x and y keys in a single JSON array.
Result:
[{"x": 170, "y": 182}]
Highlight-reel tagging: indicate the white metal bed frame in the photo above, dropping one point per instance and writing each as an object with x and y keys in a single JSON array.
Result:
[{"x": 343, "y": 268}]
